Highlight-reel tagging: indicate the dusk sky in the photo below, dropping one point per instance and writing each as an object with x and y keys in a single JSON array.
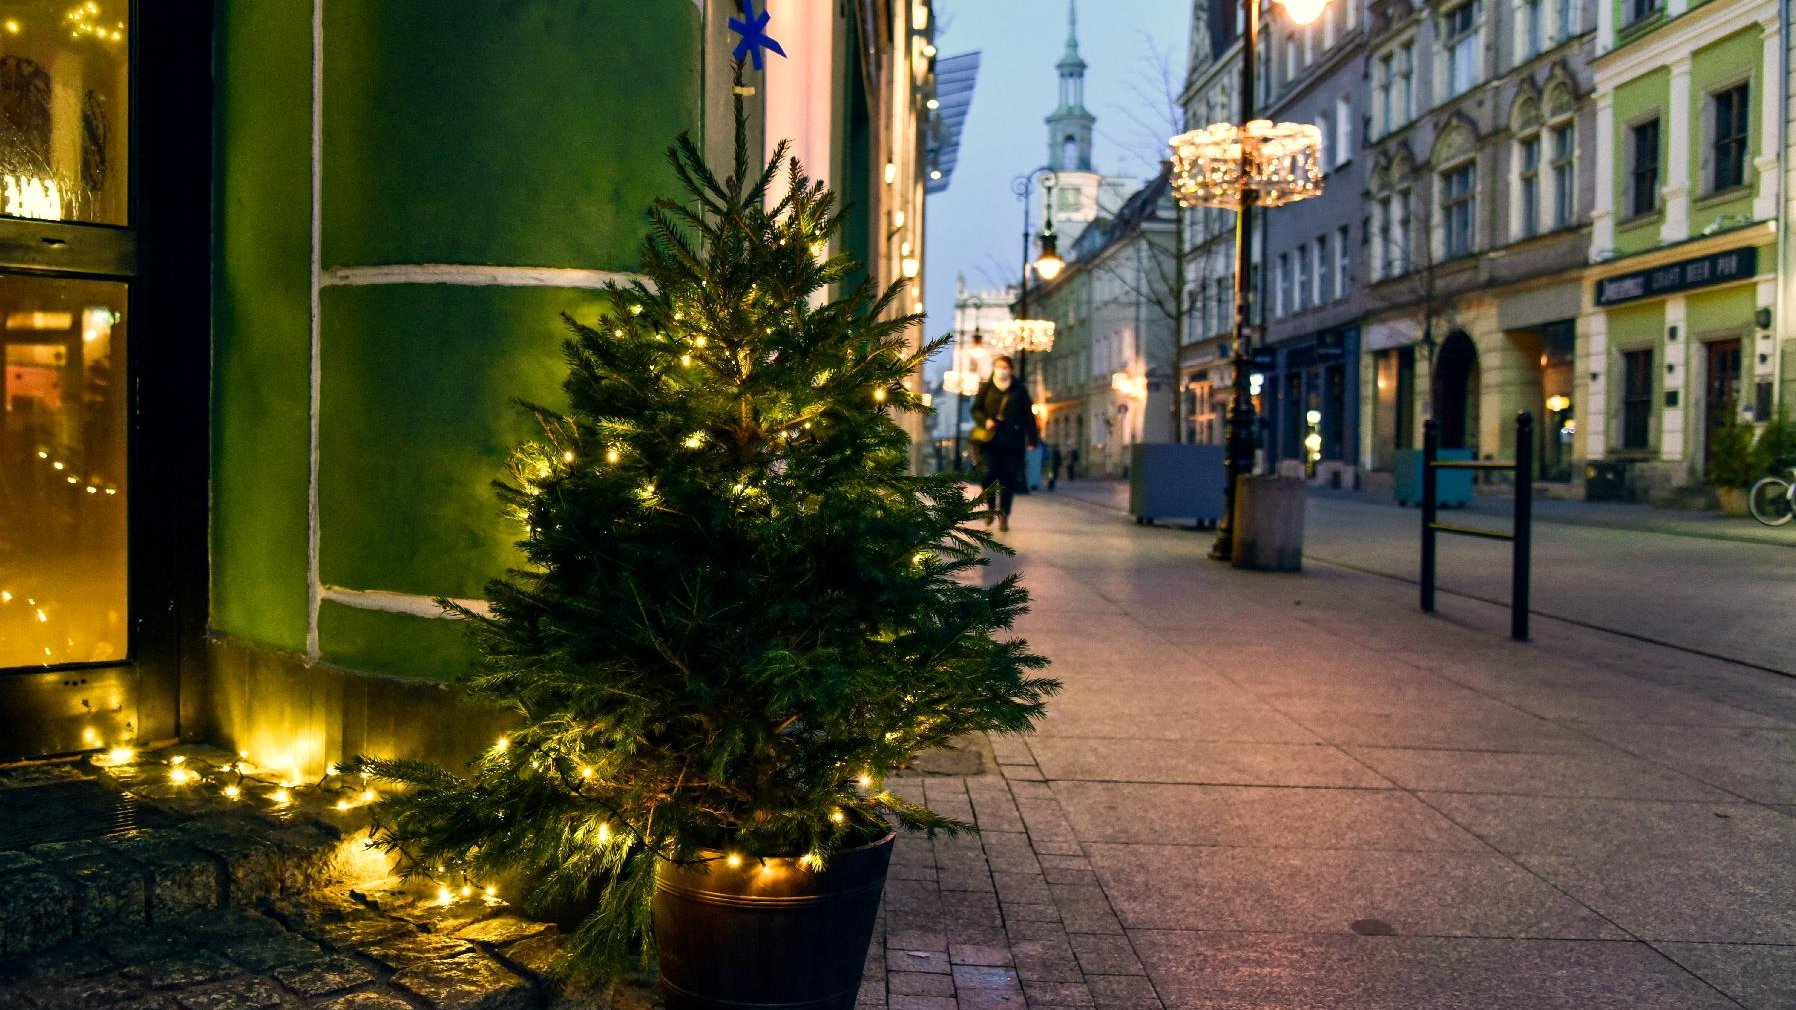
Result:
[{"x": 975, "y": 227}]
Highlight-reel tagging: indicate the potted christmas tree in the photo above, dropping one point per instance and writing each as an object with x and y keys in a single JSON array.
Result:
[{"x": 738, "y": 610}]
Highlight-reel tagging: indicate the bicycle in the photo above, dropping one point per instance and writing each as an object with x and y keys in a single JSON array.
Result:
[{"x": 1773, "y": 499}]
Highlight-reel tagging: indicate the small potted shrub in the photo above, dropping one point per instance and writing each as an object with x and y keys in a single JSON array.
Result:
[
  {"x": 1775, "y": 451},
  {"x": 1732, "y": 465},
  {"x": 738, "y": 609}
]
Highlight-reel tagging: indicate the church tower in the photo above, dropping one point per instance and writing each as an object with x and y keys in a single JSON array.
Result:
[{"x": 1069, "y": 125}]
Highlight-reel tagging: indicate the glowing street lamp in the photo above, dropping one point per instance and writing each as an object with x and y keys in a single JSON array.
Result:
[{"x": 1241, "y": 166}]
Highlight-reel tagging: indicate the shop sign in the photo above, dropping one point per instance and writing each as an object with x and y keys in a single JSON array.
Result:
[{"x": 1716, "y": 268}]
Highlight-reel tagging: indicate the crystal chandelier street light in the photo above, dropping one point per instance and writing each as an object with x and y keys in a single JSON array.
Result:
[
  {"x": 1025, "y": 335},
  {"x": 1257, "y": 163}
]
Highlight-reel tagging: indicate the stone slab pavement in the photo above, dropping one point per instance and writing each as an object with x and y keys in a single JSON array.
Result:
[
  {"x": 1294, "y": 791},
  {"x": 1696, "y": 581}
]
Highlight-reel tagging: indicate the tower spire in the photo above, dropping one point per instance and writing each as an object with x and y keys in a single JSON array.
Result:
[{"x": 1069, "y": 125}]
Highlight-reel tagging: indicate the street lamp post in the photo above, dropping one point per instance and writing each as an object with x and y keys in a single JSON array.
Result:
[
  {"x": 1255, "y": 164},
  {"x": 1048, "y": 264}
]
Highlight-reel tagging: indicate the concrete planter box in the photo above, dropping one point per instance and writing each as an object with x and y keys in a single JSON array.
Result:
[{"x": 1269, "y": 524}]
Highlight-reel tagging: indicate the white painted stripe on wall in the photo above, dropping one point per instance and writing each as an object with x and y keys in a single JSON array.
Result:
[
  {"x": 314, "y": 585},
  {"x": 477, "y": 276},
  {"x": 398, "y": 603}
]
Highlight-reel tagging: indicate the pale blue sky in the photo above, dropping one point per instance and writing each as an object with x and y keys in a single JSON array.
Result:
[{"x": 975, "y": 227}]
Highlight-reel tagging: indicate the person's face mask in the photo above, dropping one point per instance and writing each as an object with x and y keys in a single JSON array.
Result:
[{"x": 1001, "y": 378}]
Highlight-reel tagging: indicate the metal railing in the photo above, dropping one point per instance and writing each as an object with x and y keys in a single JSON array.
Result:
[{"x": 1521, "y": 535}]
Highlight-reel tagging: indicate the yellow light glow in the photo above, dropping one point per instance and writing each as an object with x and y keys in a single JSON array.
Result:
[
  {"x": 120, "y": 756},
  {"x": 5, "y": 597},
  {"x": 585, "y": 772},
  {"x": 568, "y": 456},
  {"x": 28, "y": 196},
  {"x": 12, "y": 25},
  {"x": 343, "y": 804},
  {"x": 866, "y": 781},
  {"x": 56, "y": 465},
  {"x": 89, "y": 737},
  {"x": 685, "y": 360},
  {"x": 837, "y": 816},
  {"x": 1558, "y": 402},
  {"x": 879, "y": 396},
  {"x": 42, "y": 618},
  {"x": 179, "y": 776},
  {"x": 1304, "y": 12},
  {"x": 178, "y": 759},
  {"x": 694, "y": 440},
  {"x": 492, "y": 893},
  {"x": 612, "y": 456},
  {"x": 466, "y": 890},
  {"x": 604, "y": 833},
  {"x": 733, "y": 859},
  {"x": 281, "y": 796},
  {"x": 367, "y": 796},
  {"x": 503, "y": 744},
  {"x": 232, "y": 792},
  {"x": 444, "y": 897}
]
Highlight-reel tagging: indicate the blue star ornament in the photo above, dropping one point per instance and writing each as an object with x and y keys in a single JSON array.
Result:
[{"x": 753, "y": 29}]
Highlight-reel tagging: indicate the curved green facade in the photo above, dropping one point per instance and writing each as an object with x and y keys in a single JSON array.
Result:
[{"x": 480, "y": 169}]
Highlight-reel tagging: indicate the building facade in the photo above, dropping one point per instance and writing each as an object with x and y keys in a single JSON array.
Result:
[
  {"x": 1108, "y": 383},
  {"x": 1681, "y": 313},
  {"x": 1210, "y": 95},
  {"x": 1308, "y": 361},
  {"x": 275, "y": 300},
  {"x": 1482, "y": 161}
]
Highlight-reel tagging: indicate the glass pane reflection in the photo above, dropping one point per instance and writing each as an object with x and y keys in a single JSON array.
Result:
[
  {"x": 64, "y": 75},
  {"x": 62, "y": 471}
]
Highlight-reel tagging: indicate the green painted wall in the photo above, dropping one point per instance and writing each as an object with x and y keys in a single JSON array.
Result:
[
  {"x": 262, "y": 322},
  {"x": 1635, "y": 101},
  {"x": 526, "y": 133},
  {"x": 1635, "y": 326},
  {"x": 397, "y": 644},
  {"x": 1723, "y": 309},
  {"x": 530, "y": 133},
  {"x": 1712, "y": 68},
  {"x": 416, "y": 423}
]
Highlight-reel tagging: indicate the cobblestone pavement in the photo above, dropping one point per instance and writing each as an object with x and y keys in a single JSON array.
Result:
[
  {"x": 177, "y": 896},
  {"x": 1012, "y": 917}
]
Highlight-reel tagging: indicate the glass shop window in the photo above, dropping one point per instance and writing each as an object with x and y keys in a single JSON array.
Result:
[{"x": 64, "y": 84}]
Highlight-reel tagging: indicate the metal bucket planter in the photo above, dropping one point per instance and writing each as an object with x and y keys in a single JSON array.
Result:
[{"x": 768, "y": 933}]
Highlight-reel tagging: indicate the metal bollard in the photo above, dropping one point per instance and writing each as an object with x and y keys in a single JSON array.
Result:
[
  {"x": 1524, "y": 526},
  {"x": 1431, "y": 438}
]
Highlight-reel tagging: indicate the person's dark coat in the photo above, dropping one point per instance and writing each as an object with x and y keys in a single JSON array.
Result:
[{"x": 1013, "y": 411}]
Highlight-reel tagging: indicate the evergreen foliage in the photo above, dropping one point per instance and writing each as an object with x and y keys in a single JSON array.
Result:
[
  {"x": 1731, "y": 461},
  {"x": 740, "y": 608},
  {"x": 1775, "y": 451}
]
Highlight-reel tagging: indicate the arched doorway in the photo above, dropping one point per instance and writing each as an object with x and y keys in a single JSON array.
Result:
[{"x": 1455, "y": 407}]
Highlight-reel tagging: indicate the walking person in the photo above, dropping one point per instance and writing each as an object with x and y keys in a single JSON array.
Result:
[
  {"x": 1003, "y": 426},
  {"x": 1053, "y": 466}
]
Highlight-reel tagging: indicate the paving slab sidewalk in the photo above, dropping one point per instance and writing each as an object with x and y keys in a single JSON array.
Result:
[{"x": 1294, "y": 791}]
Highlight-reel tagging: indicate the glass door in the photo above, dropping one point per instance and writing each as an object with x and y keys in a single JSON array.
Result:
[{"x": 67, "y": 272}]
